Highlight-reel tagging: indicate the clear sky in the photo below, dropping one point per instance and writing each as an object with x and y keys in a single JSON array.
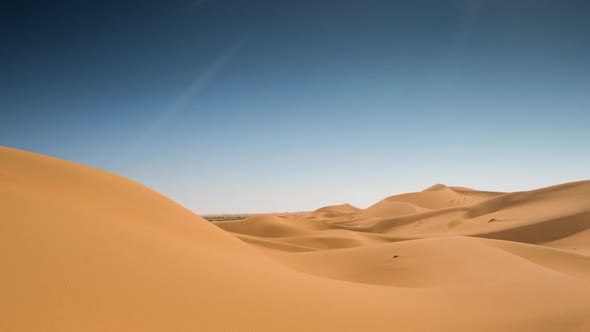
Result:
[{"x": 262, "y": 106}]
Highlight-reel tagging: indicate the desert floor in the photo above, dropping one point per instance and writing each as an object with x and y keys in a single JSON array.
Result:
[{"x": 87, "y": 250}]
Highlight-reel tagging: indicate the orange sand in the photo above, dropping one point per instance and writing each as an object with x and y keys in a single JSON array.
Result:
[{"x": 86, "y": 250}]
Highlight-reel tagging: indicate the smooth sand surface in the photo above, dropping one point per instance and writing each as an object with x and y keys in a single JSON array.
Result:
[{"x": 86, "y": 250}]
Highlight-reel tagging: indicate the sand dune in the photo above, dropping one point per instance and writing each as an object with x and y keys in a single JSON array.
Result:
[
  {"x": 271, "y": 226},
  {"x": 458, "y": 262},
  {"x": 335, "y": 211},
  {"x": 86, "y": 250}
]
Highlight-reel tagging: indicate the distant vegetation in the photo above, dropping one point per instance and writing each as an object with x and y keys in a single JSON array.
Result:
[{"x": 224, "y": 218}]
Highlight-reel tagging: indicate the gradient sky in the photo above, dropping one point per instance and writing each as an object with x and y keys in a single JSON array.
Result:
[{"x": 262, "y": 106}]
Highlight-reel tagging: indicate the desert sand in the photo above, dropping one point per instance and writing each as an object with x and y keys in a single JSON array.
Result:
[{"x": 87, "y": 250}]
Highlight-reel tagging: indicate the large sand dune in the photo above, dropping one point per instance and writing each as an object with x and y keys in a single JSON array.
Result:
[{"x": 86, "y": 250}]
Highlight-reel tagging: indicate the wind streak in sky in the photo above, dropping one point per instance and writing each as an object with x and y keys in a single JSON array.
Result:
[{"x": 193, "y": 90}]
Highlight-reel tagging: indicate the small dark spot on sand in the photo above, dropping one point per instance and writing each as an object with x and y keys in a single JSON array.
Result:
[
  {"x": 493, "y": 219},
  {"x": 395, "y": 256}
]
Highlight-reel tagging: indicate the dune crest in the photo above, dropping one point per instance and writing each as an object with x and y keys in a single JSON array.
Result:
[
  {"x": 334, "y": 211},
  {"x": 87, "y": 250}
]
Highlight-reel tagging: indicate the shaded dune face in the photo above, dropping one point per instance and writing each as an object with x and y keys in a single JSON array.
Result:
[{"x": 86, "y": 250}]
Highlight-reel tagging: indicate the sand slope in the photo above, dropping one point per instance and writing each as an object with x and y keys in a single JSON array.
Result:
[
  {"x": 86, "y": 250},
  {"x": 335, "y": 211}
]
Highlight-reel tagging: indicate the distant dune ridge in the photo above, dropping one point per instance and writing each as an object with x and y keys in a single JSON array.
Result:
[
  {"x": 86, "y": 250},
  {"x": 336, "y": 211}
]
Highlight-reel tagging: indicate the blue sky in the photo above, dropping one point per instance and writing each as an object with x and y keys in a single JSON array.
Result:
[{"x": 262, "y": 106}]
